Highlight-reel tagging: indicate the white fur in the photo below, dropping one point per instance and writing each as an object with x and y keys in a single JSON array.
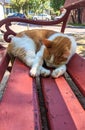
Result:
[
  {"x": 52, "y": 59},
  {"x": 73, "y": 43},
  {"x": 35, "y": 60},
  {"x": 29, "y": 46},
  {"x": 38, "y": 61},
  {"x": 32, "y": 59},
  {"x": 62, "y": 69},
  {"x": 23, "y": 42},
  {"x": 59, "y": 71}
]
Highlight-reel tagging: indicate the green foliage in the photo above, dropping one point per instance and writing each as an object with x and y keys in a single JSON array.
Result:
[
  {"x": 36, "y": 6},
  {"x": 55, "y": 4},
  {"x": 16, "y": 4},
  {"x": 25, "y": 7}
]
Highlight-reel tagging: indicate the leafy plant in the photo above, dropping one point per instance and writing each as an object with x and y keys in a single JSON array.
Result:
[{"x": 55, "y": 4}]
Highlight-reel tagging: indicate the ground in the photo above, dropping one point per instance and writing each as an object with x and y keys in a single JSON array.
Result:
[{"x": 80, "y": 38}]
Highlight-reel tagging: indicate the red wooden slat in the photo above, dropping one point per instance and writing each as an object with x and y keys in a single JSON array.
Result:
[
  {"x": 4, "y": 61},
  {"x": 76, "y": 68},
  {"x": 19, "y": 106},
  {"x": 63, "y": 109},
  {"x": 69, "y": 2},
  {"x": 72, "y": 2},
  {"x": 1, "y": 47}
]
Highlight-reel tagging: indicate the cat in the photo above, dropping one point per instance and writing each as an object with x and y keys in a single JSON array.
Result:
[{"x": 34, "y": 47}]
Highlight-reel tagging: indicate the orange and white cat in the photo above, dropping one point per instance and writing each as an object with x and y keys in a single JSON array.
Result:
[{"x": 34, "y": 47}]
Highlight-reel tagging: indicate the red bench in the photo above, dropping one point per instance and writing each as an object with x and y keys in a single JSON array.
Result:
[
  {"x": 41, "y": 103},
  {"x": 19, "y": 105}
]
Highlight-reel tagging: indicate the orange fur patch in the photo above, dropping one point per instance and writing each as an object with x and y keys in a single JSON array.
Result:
[
  {"x": 37, "y": 35},
  {"x": 59, "y": 47}
]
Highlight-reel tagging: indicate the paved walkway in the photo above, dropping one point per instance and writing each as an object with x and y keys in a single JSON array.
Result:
[{"x": 69, "y": 29}]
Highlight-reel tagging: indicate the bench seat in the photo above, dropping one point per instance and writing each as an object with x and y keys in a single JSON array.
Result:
[
  {"x": 19, "y": 106},
  {"x": 76, "y": 68},
  {"x": 20, "y": 103},
  {"x": 4, "y": 61},
  {"x": 64, "y": 110}
]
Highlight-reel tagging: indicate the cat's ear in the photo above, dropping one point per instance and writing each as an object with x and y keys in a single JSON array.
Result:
[
  {"x": 66, "y": 53},
  {"x": 47, "y": 43}
]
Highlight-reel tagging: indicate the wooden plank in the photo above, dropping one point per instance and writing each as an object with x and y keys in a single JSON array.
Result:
[
  {"x": 1, "y": 47},
  {"x": 4, "y": 61},
  {"x": 63, "y": 109},
  {"x": 76, "y": 68},
  {"x": 74, "y": 4},
  {"x": 70, "y": 2},
  {"x": 19, "y": 106}
]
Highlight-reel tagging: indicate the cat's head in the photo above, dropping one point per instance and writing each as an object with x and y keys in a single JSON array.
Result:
[{"x": 57, "y": 51}]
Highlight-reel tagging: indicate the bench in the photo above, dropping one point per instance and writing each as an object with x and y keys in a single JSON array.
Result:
[{"x": 41, "y": 103}]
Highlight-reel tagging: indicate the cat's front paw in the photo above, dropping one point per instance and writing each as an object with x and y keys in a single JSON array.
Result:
[
  {"x": 59, "y": 71},
  {"x": 34, "y": 72},
  {"x": 44, "y": 72},
  {"x": 55, "y": 74}
]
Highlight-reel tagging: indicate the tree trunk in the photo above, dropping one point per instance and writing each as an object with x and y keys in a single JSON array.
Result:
[{"x": 79, "y": 16}]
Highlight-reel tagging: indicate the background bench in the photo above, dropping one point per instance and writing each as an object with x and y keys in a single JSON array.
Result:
[{"x": 41, "y": 103}]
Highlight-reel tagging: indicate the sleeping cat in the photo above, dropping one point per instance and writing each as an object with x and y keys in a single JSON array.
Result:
[{"x": 34, "y": 47}]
